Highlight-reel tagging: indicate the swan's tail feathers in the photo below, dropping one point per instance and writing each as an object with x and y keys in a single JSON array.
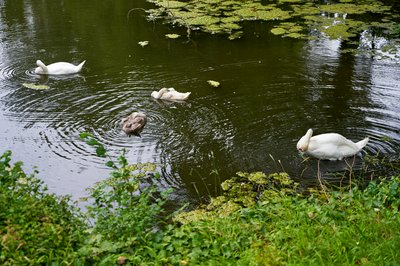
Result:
[
  {"x": 81, "y": 65},
  {"x": 42, "y": 65},
  {"x": 361, "y": 144},
  {"x": 186, "y": 95}
]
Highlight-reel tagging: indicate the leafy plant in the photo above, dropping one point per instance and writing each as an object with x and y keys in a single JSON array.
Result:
[
  {"x": 36, "y": 227},
  {"x": 125, "y": 212}
]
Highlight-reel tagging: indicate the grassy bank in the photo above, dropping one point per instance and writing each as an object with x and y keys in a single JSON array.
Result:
[{"x": 259, "y": 220}]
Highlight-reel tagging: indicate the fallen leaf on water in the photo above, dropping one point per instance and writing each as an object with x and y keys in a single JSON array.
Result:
[
  {"x": 213, "y": 83},
  {"x": 143, "y": 43},
  {"x": 172, "y": 36},
  {"x": 35, "y": 87}
]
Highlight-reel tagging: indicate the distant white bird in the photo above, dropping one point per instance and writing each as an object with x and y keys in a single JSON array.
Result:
[
  {"x": 59, "y": 68},
  {"x": 170, "y": 94},
  {"x": 134, "y": 123},
  {"x": 330, "y": 146}
]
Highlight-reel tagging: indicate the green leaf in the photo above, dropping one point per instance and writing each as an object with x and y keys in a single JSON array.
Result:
[
  {"x": 92, "y": 142},
  {"x": 101, "y": 151},
  {"x": 110, "y": 164},
  {"x": 84, "y": 135}
]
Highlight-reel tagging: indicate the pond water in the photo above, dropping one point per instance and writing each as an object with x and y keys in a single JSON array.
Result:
[{"x": 272, "y": 90}]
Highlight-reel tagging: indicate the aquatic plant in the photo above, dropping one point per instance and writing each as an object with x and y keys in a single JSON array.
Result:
[{"x": 335, "y": 20}]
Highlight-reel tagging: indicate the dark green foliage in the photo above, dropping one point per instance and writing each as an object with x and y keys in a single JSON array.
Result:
[
  {"x": 259, "y": 220},
  {"x": 35, "y": 226},
  {"x": 125, "y": 218}
]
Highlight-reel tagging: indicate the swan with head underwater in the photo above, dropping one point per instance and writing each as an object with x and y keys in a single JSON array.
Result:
[
  {"x": 58, "y": 68},
  {"x": 329, "y": 146},
  {"x": 134, "y": 123},
  {"x": 170, "y": 94}
]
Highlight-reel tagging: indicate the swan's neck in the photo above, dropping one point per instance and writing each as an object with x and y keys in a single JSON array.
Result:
[
  {"x": 304, "y": 141},
  {"x": 42, "y": 66}
]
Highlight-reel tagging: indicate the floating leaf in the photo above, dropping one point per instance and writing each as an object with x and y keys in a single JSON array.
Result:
[
  {"x": 35, "y": 87},
  {"x": 295, "y": 35},
  {"x": 213, "y": 83},
  {"x": 274, "y": 14},
  {"x": 235, "y": 35},
  {"x": 203, "y": 20},
  {"x": 143, "y": 43},
  {"x": 226, "y": 16},
  {"x": 172, "y": 36},
  {"x": 278, "y": 31}
]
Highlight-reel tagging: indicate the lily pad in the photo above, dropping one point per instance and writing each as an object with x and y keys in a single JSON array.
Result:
[
  {"x": 278, "y": 31},
  {"x": 213, "y": 83},
  {"x": 171, "y": 4},
  {"x": 203, "y": 20},
  {"x": 313, "y": 18},
  {"x": 35, "y": 86}
]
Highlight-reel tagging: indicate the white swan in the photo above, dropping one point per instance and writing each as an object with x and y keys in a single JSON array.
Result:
[
  {"x": 134, "y": 123},
  {"x": 330, "y": 146},
  {"x": 170, "y": 94},
  {"x": 59, "y": 68}
]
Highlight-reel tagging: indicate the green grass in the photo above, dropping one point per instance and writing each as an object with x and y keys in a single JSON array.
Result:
[{"x": 259, "y": 220}]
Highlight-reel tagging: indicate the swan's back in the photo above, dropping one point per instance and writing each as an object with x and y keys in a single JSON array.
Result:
[
  {"x": 134, "y": 123},
  {"x": 333, "y": 146},
  {"x": 58, "y": 68}
]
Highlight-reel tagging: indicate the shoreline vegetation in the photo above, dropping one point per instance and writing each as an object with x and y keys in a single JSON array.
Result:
[{"x": 259, "y": 219}]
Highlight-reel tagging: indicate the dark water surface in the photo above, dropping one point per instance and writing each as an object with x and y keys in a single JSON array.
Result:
[{"x": 273, "y": 90}]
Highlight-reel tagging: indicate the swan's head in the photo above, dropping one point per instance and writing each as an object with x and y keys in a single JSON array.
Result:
[
  {"x": 158, "y": 94},
  {"x": 155, "y": 94},
  {"x": 302, "y": 144}
]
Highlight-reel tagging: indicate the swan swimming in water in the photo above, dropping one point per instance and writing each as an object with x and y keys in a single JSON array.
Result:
[
  {"x": 134, "y": 123},
  {"x": 330, "y": 146},
  {"x": 59, "y": 68},
  {"x": 170, "y": 94}
]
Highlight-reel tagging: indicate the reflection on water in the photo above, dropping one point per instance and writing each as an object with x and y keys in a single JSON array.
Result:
[{"x": 272, "y": 90}]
